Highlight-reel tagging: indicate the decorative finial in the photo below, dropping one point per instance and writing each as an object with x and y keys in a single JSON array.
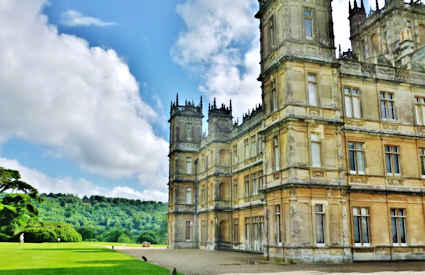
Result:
[
  {"x": 200, "y": 104},
  {"x": 340, "y": 51},
  {"x": 355, "y": 4},
  {"x": 377, "y": 5},
  {"x": 231, "y": 106},
  {"x": 177, "y": 99},
  {"x": 215, "y": 103}
]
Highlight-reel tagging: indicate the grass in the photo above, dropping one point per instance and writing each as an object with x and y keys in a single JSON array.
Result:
[
  {"x": 70, "y": 258},
  {"x": 125, "y": 244}
]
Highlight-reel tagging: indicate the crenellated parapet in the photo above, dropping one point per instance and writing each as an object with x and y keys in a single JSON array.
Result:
[
  {"x": 222, "y": 110},
  {"x": 189, "y": 108}
]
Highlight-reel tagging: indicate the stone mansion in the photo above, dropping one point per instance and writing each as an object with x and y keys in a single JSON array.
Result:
[{"x": 330, "y": 167}]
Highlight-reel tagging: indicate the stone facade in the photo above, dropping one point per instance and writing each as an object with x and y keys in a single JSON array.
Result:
[{"x": 330, "y": 167}]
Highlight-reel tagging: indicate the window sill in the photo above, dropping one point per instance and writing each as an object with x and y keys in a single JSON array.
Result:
[
  {"x": 400, "y": 244},
  {"x": 320, "y": 245},
  {"x": 362, "y": 245}
]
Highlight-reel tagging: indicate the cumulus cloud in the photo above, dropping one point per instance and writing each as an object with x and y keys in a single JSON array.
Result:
[
  {"x": 222, "y": 42},
  {"x": 80, "y": 187},
  {"x": 81, "y": 102},
  {"x": 73, "y": 18}
]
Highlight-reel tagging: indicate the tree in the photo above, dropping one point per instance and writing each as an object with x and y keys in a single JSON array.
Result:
[
  {"x": 17, "y": 208},
  {"x": 148, "y": 236}
]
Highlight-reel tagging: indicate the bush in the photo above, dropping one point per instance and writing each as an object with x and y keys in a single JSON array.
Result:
[
  {"x": 4, "y": 237},
  {"x": 148, "y": 236},
  {"x": 124, "y": 238},
  {"x": 87, "y": 233},
  {"x": 50, "y": 232}
]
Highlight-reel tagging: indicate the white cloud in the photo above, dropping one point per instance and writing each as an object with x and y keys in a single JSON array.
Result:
[
  {"x": 80, "y": 187},
  {"x": 73, "y": 18},
  {"x": 81, "y": 102},
  {"x": 222, "y": 42}
]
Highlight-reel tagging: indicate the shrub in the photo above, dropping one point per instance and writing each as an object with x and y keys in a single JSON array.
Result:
[
  {"x": 4, "y": 237},
  {"x": 124, "y": 238},
  {"x": 50, "y": 232},
  {"x": 148, "y": 236}
]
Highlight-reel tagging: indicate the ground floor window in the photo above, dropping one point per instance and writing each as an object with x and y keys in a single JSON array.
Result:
[
  {"x": 398, "y": 221},
  {"x": 361, "y": 225},
  {"x": 188, "y": 231},
  {"x": 319, "y": 212},
  {"x": 254, "y": 230},
  {"x": 204, "y": 231}
]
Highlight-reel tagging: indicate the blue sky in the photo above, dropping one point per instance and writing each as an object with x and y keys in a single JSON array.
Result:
[{"x": 87, "y": 85}]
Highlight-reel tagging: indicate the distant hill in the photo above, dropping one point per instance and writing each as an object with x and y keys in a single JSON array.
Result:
[{"x": 106, "y": 219}]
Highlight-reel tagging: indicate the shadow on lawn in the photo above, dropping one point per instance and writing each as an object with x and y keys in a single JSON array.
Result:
[
  {"x": 79, "y": 250},
  {"x": 113, "y": 267}
]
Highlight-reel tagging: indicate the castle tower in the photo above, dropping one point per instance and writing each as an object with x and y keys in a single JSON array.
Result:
[
  {"x": 219, "y": 122},
  {"x": 185, "y": 140}
]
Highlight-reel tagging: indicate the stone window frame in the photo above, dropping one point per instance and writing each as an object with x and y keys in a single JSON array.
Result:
[
  {"x": 324, "y": 215},
  {"x": 397, "y": 217},
  {"x": 356, "y": 151},
  {"x": 314, "y": 82},
  {"x": 421, "y": 151},
  {"x": 271, "y": 33},
  {"x": 276, "y": 153},
  {"x": 351, "y": 97},
  {"x": 278, "y": 223},
  {"x": 387, "y": 99},
  {"x": 305, "y": 18},
  {"x": 274, "y": 99},
  {"x": 361, "y": 215},
  {"x": 394, "y": 155},
  {"x": 188, "y": 195},
  {"x": 189, "y": 166},
  {"x": 319, "y": 143},
  {"x": 236, "y": 233},
  {"x": 235, "y": 153},
  {"x": 188, "y": 230},
  {"x": 419, "y": 105}
]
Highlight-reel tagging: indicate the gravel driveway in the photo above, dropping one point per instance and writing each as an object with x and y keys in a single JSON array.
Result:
[{"x": 202, "y": 262}]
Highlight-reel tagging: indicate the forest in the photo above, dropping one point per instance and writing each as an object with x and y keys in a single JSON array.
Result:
[{"x": 99, "y": 218}]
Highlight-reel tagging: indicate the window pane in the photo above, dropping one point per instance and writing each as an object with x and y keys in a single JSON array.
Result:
[
  {"x": 352, "y": 161},
  {"x": 320, "y": 234},
  {"x": 308, "y": 27},
  {"x": 423, "y": 166},
  {"x": 396, "y": 165},
  {"x": 315, "y": 155},
  {"x": 388, "y": 163},
  {"x": 383, "y": 110},
  {"x": 394, "y": 230},
  {"x": 312, "y": 96},
  {"x": 391, "y": 113},
  {"x": 418, "y": 111},
  {"x": 348, "y": 108},
  {"x": 356, "y": 107},
  {"x": 307, "y": 12},
  {"x": 402, "y": 230},
  {"x": 360, "y": 162},
  {"x": 356, "y": 230},
  {"x": 365, "y": 229}
]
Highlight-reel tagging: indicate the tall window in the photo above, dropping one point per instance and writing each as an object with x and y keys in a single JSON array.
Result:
[
  {"x": 189, "y": 166},
  {"x": 260, "y": 180},
  {"x": 398, "y": 221},
  {"x": 246, "y": 149},
  {"x": 235, "y": 231},
  {"x": 187, "y": 231},
  {"x": 308, "y": 23},
  {"x": 276, "y": 164},
  {"x": 189, "y": 132},
  {"x": 235, "y": 153},
  {"x": 352, "y": 103},
  {"x": 356, "y": 158},
  {"x": 253, "y": 145},
  {"x": 235, "y": 190},
  {"x": 246, "y": 184},
  {"x": 319, "y": 213},
  {"x": 254, "y": 184},
  {"x": 206, "y": 163},
  {"x": 420, "y": 110},
  {"x": 312, "y": 90},
  {"x": 361, "y": 225},
  {"x": 387, "y": 106},
  {"x": 278, "y": 224},
  {"x": 271, "y": 33},
  {"x": 176, "y": 166},
  {"x": 204, "y": 231},
  {"x": 422, "y": 157},
  {"x": 315, "y": 151},
  {"x": 258, "y": 140},
  {"x": 188, "y": 195},
  {"x": 274, "y": 97},
  {"x": 392, "y": 160}
]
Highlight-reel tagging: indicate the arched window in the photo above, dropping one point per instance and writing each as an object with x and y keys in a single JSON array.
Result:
[{"x": 188, "y": 195}]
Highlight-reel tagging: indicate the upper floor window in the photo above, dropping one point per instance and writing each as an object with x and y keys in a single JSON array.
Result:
[
  {"x": 398, "y": 222},
  {"x": 187, "y": 229},
  {"x": 420, "y": 110},
  {"x": 387, "y": 106},
  {"x": 247, "y": 187},
  {"x": 235, "y": 191},
  {"x": 188, "y": 195},
  {"x": 235, "y": 153},
  {"x": 271, "y": 33},
  {"x": 319, "y": 213},
  {"x": 361, "y": 225},
  {"x": 254, "y": 184},
  {"x": 308, "y": 23},
  {"x": 352, "y": 103},
  {"x": 253, "y": 142},
  {"x": 189, "y": 165},
  {"x": 206, "y": 163},
  {"x": 422, "y": 157},
  {"x": 276, "y": 157},
  {"x": 316, "y": 159},
  {"x": 246, "y": 149},
  {"x": 392, "y": 160},
  {"x": 274, "y": 97},
  {"x": 312, "y": 90},
  {"x": 356, "y": 157},
  {"x": 189, "y": 132}
]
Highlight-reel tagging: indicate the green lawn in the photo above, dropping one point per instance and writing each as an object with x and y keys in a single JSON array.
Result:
[{"x": 69, "y": 258}]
